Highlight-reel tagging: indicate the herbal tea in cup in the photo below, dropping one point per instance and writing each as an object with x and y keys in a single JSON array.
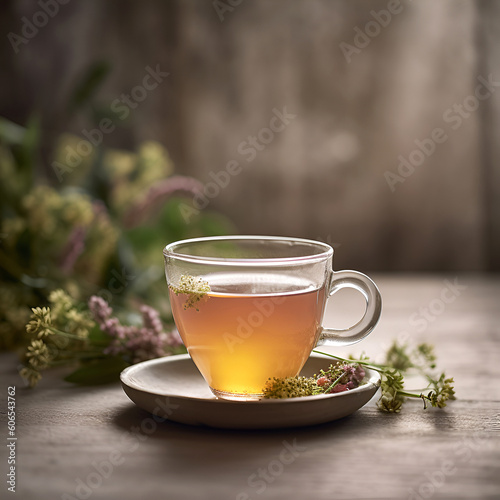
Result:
[{"x": 250, "y": 308}]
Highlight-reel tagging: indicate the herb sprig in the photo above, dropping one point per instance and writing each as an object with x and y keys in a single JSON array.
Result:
[
  {"x": 400, "y": 360},
  {"x": 338, "y": 377},
  {"x": 91, "y": 339},
  {"x": 196, "y": 289}
]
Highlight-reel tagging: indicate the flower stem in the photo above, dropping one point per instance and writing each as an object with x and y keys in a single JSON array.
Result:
[
  {"x": 65, "y": 334},
  {"x": 376, "y": 367},
  {"x": 412, "y": 394},
  {"x": 333, "y": 384},
  {"x": 85, "y": 354}
]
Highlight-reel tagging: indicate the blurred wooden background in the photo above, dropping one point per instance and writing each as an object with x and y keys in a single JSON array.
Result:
[{"x": 323, "y": 176}]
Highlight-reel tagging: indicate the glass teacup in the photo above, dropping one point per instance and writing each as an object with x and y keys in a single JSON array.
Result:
[{"x": 250, "y": 308}]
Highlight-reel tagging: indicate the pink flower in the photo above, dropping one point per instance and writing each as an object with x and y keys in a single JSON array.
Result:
[
  {"x": 73, "y": 249},
  {"x": 157, "y": 195},
  {"x": 339, "y": 388},
  {"x": 135, "y": 343},
  {"x": 99, "y": 309},
  {"x": 349, "y": 370},
  {"x": 151, "y": 319},
  {"x": 359, "y": 373}
]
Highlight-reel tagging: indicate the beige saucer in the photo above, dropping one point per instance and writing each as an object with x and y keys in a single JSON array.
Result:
[{"x": 173, "y": 388}]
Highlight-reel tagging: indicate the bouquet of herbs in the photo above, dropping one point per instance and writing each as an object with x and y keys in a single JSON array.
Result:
[
  {"x": 92, "y": 339},
  {"x": 87, "y": 220}
]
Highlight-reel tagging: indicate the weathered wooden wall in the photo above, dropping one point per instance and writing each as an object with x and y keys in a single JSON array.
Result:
[{"x": 324, "y": 175}]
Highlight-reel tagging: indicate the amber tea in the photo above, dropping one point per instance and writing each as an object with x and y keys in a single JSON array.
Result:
[{"x": 238, "y": 338}]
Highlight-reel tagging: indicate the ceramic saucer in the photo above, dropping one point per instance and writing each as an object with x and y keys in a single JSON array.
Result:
[{"x": 173, "y": 388}]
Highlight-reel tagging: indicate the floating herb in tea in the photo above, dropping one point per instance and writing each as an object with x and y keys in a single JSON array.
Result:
[{"x": 195, "y": 289}]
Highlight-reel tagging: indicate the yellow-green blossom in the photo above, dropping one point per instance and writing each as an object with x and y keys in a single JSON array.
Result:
[
  {"x": 289, "y": 387},
  {"x": 41, "y": 322},
  {"x": 390, "y": 401},
  {"x": 60, "y": 302},
  {"x": 31, "y": 375},
  {"x": 119, "y": 164},
  {"x": 443, "y": 391},
  {"x": 38, "y": 354},
  {"x": 195, "y": 289},
  {"x": 67, "y": 317},
  {"x": 79, "y": 323},
  {"x": 154, "y": 161}
]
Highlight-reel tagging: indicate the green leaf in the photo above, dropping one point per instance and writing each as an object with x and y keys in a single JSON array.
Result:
[
  {"x": 10, "y": 132},
  {"x": 96, "y": 74},
  {"x": 98, "y": 337},
  {"x": 23, "y": 147},
  {"x": 30, "y": 144},
  {"x": 97, "y": 372}
]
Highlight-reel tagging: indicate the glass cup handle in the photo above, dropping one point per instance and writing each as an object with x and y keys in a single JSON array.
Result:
[{"x": 357, "y": 332}]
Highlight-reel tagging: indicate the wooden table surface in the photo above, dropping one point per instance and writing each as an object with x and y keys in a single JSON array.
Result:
[{"x": 80, "y": 442}]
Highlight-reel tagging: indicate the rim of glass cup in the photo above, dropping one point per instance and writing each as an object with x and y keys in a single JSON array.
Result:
[{"x": 169, "y": 251}]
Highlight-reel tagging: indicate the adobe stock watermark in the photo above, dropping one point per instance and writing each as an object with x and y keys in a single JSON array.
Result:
[
  {"x": 264, "y": 476},
  {"x": 429, "y": 313},
  {"x": 249, "y": 150},
  {"x": 120, "y": 108},
  {"x": 223, "y": 6},
  {"x": 464, "y": 451},
  {"x": 128, "y": 442},
  {"x": 264, "y": 308},
  {"x": 453, "y": 117},
  {"x": 31, "y": 27},
  {"x": 117, "y": 284},
  {"x": 373, "y": 28}
]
